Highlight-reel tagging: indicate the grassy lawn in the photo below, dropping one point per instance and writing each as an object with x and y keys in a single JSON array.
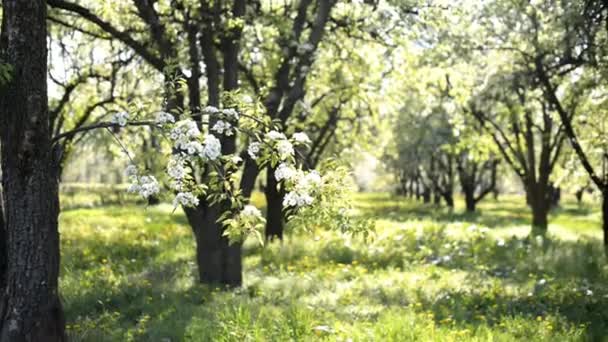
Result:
[{"x": 427, "y": 274}]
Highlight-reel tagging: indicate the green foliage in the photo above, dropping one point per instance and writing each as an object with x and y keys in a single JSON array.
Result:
[{"x": 428, "y": 274}]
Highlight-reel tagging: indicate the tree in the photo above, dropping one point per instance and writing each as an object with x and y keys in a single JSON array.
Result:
[
  {"x": 30, "y": 309},
  {"x": 524, "y": 131}
]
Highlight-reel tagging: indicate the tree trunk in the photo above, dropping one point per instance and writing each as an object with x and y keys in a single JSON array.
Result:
[
  {"x": 448, "y": 197},
  {"x": 274, "y": 208},
  {"x": 30, "y": 309},
  {"x": 219, "y": 263},
  {"x": 605, "y": 219},
  {"x": 579, "y": 195},
  {"x": 436, "y": 197},
  {"x": 426, "y": 195},
  {"x": 469, "y": 199},
  {"x": 540, "y": 211},
  {"x": 3, "y": 255}
]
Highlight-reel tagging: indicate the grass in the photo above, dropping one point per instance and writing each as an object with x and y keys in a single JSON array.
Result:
[{"x": 428, "y": 274}]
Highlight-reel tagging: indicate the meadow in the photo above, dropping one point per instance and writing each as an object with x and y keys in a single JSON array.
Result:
[{"x": 425, "y": 274}]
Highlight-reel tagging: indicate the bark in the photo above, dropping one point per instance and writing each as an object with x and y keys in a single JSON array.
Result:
[
  {"x": 538, "y": 198},
  {"x": 3, "y": 255},
  {"x": 219, "y": 263},
  {"x": 605, "y": 218},
  {"x": 30, "y": 309},
  {"x": 274, "y": 207},
  {"x": 469, "y": 199}
]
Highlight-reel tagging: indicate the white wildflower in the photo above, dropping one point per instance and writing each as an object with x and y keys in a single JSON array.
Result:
[
  {"x": 120, "y": 118},
  {"x": 301, "y": 138},
  {"x": 500, "y": 243}
]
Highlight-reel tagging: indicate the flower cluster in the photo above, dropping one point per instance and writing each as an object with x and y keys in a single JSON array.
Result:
[
  {"x": 223, "y": 127},
  {"x": 301, "y": 185},
  {"x": 253, "y": 150},
  {"x": 163, "y": 118},
  {"x": 120, "y": 118},
  {"x": 145, "y": 186},
  {"x": 186, "y": 199},
  {"x": 186, "y": 137}
]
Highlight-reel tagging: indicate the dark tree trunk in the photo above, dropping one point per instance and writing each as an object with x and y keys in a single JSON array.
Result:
[
  {"x": 469, "y": 199},
  {"x": 274, "y": 208},
  {"x": 538, "y": 201},
  {"x": 3, "y": 255},
  {"x": 436, "y": 197},
  {"x": 605, "y": 219},
  {"x": 219, "y": 263},
  {"x": 30, "y": 309},
  {"x": 426, "y": 195},
  {"x": 448, "y": 197},
  {"x": 579, "y": 195}
]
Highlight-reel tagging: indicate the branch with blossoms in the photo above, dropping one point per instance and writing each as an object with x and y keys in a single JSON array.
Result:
[{"x": 193, "y": 150}]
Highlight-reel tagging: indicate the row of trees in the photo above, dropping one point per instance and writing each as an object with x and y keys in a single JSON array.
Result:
[{"x": 524, "y": 88}]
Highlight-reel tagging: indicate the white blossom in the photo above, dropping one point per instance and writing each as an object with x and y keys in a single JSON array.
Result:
[
  {"x": 301, "y": 138},
  {"x": 213, "y": 147},
  {"x": 285, "y": 149},
  {"x": 120, "y": 118},
  {"x": 296, "y": 199},
  {"x": 133, "y": 188},
  {"x": 231, "y": 114},
  {"x": 253, "y": 150},
  {"x": 131, "y": 170},
  {"x": 148, "y": 186},
  {"x": 187, "y": 199},
  {"x": 211, "y": 110},
  {"x": 164, "y": 117},
  {"x": 251, "y": 211},
  {"x": 191, "y": 129},
  {"x": 193, "y": 147},
  {"x": 311, "y": 181},
  {"x": 236, "y": 159},
  {"x": 274, "y": 135},
  {"x": 176, "y": 169},
  {"x": 284, "y": 172},
  {"x": 306, "y": 47},
  {"x": 223, "y": 127}
]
